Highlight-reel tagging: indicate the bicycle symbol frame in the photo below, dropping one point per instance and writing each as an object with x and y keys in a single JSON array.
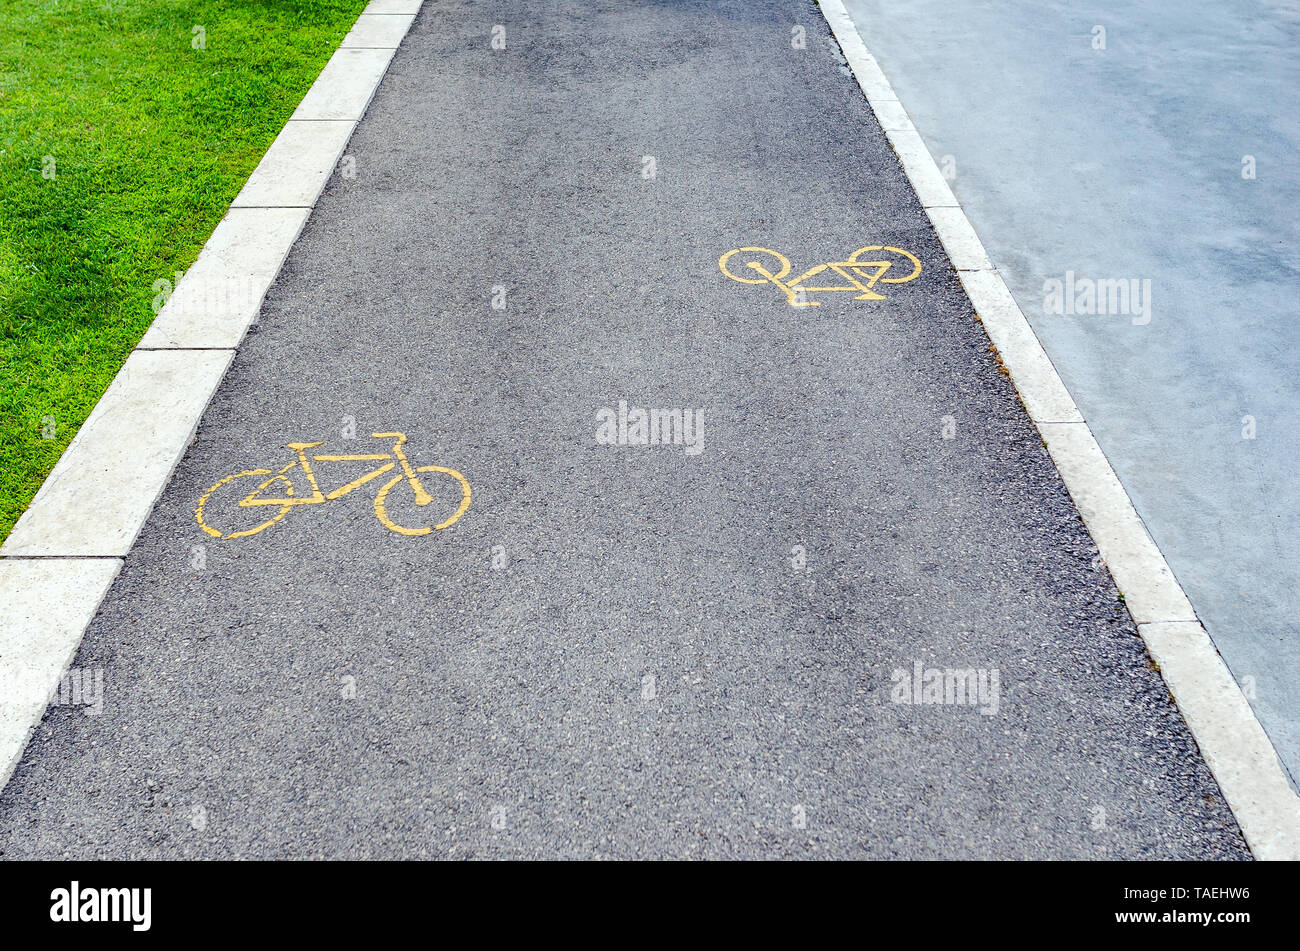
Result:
[
  {"x": 862, "y": 275},
  {"x": 289, "y": 500}
]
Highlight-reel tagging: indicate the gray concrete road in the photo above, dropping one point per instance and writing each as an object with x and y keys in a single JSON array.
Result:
[
  {"x": 619, "y": 650},
  {"x": 1166, "y": 156}
]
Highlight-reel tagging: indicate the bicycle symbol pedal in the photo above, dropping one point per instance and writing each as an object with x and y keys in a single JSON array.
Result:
[
  {"x": 234, "y": 503},
  {"x": 862, "y": 271}
]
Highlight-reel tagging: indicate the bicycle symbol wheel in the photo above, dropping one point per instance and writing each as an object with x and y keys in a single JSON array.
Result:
[
  {"x": 224, "y": 503},
  {"x": 908, "y": 257},
  {"x": 458, "y": 486},
  {"x": 777, "y": 266}
]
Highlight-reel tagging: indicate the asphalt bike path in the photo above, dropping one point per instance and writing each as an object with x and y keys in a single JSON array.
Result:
[{"x": 736, "y": 560}]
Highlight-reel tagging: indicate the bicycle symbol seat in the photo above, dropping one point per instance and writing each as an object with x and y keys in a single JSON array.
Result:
[
  {"x": 863, "y": 270},
  {"x": 232, "y": 501}
]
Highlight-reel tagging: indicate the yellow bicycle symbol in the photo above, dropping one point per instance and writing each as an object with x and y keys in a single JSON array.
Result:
[
  {"x": 225, "y": 496},
  {"x": 862, "y": 274}
]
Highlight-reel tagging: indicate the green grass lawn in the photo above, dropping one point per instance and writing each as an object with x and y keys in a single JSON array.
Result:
[{"x": 121, "y": 145}]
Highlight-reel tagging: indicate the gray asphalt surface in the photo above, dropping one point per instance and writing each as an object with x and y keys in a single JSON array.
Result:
[
  {"x": 1127, "y": 163},
  {"x": 506, "y": 712}
]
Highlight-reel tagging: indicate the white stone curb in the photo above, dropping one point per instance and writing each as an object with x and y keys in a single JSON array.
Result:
[
  {"x": 383, "y": 31},
  {"x": 222, "y": 291},
  {"x": 63, "y": 553},
  {"x": 344, "y": 87},
  {"x": 107, "y": 480},
  {"x": 1230, "y": 736},
  {"x": 391, "y": 7},
  {"x": 296, "y": 167},
  {"x": 45, "y": 605}
]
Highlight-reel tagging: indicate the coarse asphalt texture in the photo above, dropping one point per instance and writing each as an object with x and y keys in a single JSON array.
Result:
[{"x": 619, "y": 650}]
